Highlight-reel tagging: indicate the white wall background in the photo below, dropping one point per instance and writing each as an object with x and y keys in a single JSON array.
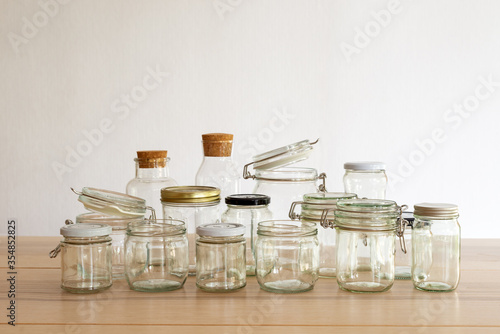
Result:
[{"x": 234, "y": 65}]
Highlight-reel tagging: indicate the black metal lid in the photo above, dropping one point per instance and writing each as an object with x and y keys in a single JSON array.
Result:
[{"x": 248, "y": 199}]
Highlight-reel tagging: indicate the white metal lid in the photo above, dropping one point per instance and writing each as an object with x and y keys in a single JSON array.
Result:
[
  {"x": 86, "y": 230},
  {"x": 283, "y": 156},
  {"x": 220, "y": 230},
  {"x": 436, "y": 210},
  {"x": 365, "y": 165}
]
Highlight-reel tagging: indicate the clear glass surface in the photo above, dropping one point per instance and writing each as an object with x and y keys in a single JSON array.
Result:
[
  {"x": 249, "y": 216},
  {"x": 287, "y": 256},
  {"x": 194, "y": 215},
  {"x": 86, "y": 264},
  {"x": 403, "y": 261},
  {"x": 366, "y": 183},
  {"x": 436, "y": 254},
  {"x": 220, "y": 263},
  {"x": 156, "y": 255}
]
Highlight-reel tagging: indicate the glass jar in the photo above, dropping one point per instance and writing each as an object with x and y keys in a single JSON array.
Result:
[
  {"x": 248, "y": 210},
  {"x": 218, "y": 169},
  {"x": 436, "y": 247},
  {"x": 156, "y": 255},
  {"x": 365, "y": 179},
  {"x": 366, "y": 236},
  {"x": 287, "y": 256},
  {"x": 220, "y": 257},
  {"x": 194, "y": 205},
  {"x": 284, "y": 184},
  {"x": 151, "y": 175},
  {"x": 313, "y": 208},
  {"x": 403, "y": 260},
  {"x": 85, "y": 258}
]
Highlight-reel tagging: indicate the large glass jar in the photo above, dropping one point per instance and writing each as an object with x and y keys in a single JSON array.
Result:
[
  {"x": 85, "y": 258},
  {"x": 194, "y": 205},
  {"x": 248, "y": 210},
  {"x": 220, "y": 257},
  {"x": 365, "y": 179},
  {"x": 313, "y": 208},
  {"x": 119, "y": 226},
  {"x": 156, "y": 255},
  {"x": 218, "y": 169},
  {"x": 436, "y": 247},
  {"x": 151, "y": 175},
  {"x": 366, "y": 241},
  {"x": 287, "y": 256}
]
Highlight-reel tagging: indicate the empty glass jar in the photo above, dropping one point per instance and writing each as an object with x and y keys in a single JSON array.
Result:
[
  {"x": 436, "y": 247},
  {"x": 287, "y": 256},
  {"x": 151, "y": 175},
  {"x": 248, "y": 210},
  {"x": 85, "y": 258},
  {"x": 194, "y": 205},
  {"x": 220, "y": 257},
  {"x": 312, "y": 208},
  {"x": 365, "y": 179},
  {"x": 403, "y": 260},
  {"x": 366, "y": 238},
  {"x": 156, "y": 255}
]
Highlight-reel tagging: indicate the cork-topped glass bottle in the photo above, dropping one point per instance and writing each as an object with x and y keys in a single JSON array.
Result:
[
  {"x": 218, "y": 169},
  {"x": 151, "y": 175}
]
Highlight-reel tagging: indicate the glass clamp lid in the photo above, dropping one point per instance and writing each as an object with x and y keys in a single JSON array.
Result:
[
  {"x": 190, "y": 194},
  {"x": 113, "y": 203},
  {"x": 314, "y": 205}
]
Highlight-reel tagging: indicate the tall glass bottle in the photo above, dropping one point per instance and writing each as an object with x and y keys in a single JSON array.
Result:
[
  {"x": 218, "y": 169},
  {"x": 151, "y": 175}
]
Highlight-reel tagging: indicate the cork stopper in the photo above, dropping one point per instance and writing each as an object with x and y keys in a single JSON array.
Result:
[
  {"x": 151, "y": 159},
  {"x": 217, "y": 144}
]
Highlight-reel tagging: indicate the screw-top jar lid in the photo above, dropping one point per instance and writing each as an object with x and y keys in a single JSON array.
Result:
[
  {"x": 220, "y": 230},
  {"x": 112, "y": 203},
  {"x": 436, "y": 210},
  {"x": 190, "y": 194},
  {"x": 283, "y": 156},
  {"x": 248, "y": 199},
  {"x": 365, "y": 165},
  {"x": 85, "y": 230}
]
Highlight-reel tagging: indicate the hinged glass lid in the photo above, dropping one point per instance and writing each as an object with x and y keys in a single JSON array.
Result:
[
  {"x": 112, "y": 203},
  {"x": 280, "y": 157}
]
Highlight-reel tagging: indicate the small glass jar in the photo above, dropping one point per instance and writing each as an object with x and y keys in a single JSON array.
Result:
[
  {"x": 313, "y": 207},
  {"x": 151, "y": 175},
  {"x": 403, "y": 260},
  {"x": 194, "y": 205},
  {"x": 119, "y": 226},
  {"x": 248, "y": 210},
  {"x": 284, "y": 184},
  {"x": 218, "y": 169},
  {"x": 366, "y": 237},
  {"x": 156, "y": 255},
  {"x": 220, "y": 257},
  {"x": 365, "y": 179},
  {"x": 287, "y": 256},
  {"x": 436, "y": 247},
  {"x": 85, "y": 258}
]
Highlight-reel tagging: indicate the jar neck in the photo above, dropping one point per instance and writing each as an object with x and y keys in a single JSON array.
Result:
[
  {"x": 86, "y": 240},
  {"x": 151, "y": 173},
  {"x": 220, "y": 240},
  {"x": 246, "y": 207}
]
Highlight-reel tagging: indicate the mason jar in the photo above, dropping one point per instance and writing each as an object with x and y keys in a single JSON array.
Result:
[
  {"x": 366, "y": 179},
  {"x": 248, "y": 210},
  {"x": 366, "y": 244},
  {"x": 313, "y": 207},
  {"x": 194, "y": 205},
  {"x": 156, "y": 255},
  {"x": 220, "y": 257},
  {"x": 287, "y": 256},
  {"x": 436, "y": 247},
  {"x": 118, "y": 234},
  {"x": 85, "y": 258}
]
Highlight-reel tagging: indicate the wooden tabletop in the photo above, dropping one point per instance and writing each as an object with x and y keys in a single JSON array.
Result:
[{"x": 42, "y": 307}]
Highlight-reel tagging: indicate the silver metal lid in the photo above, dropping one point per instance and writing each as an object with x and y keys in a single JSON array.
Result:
[{"x": 436, "y": 210}]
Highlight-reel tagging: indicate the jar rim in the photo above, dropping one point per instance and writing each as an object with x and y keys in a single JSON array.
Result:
[
  {"x": 156, "y": 227},
  {"x": 370, "y": 214},
  {"x": 286, "y": 228},
  {"x": 287, "y": 174}
]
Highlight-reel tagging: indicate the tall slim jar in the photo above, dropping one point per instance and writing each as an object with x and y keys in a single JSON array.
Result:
[
  {"x": 436, "y": 247},
  {"x": 366, "y": 179}
]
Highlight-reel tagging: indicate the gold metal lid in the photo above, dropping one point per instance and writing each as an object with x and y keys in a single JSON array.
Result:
[
  {"x": 436, "y": 210},
  {"x": 190, "y": 194}
]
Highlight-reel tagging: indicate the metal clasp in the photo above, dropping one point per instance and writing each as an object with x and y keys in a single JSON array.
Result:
[
  {"x": 325, "y": 223},
  {"x": 401, "y": 227},
  {"x": 322, "y": 187},
  {"x": 291, "y": 214}
]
